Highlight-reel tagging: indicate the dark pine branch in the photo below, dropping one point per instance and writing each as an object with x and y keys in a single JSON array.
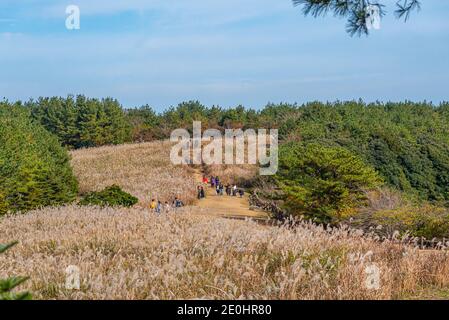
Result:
[
  {"x": 405, "y": 7},
  {"x": 354, "y": 11}
]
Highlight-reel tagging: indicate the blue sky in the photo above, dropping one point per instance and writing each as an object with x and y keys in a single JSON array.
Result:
[{"x": 224, "y": 52}]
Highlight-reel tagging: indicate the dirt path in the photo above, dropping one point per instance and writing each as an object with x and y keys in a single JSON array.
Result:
[{"x": 226, "y": 206}]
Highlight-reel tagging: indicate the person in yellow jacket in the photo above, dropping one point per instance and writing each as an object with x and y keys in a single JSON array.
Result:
[{"x": 153, "y": 204}]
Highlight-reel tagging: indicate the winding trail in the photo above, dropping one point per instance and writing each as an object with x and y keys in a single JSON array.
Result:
[{"x": 227, "y": 206}]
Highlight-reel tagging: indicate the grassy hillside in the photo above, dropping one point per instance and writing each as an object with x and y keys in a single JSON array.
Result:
[
  {"x": 134, "y": 254},
  {"x": 144, "y": 170},
  {"x": 334, "y": 161}
]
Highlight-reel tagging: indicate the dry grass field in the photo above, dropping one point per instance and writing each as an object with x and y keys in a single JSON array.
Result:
[
  {"x": 144, "y": 170},
  {"x": 134, "y": 254}
]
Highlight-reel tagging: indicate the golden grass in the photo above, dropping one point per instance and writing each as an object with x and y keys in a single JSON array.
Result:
[
  {"x": 133, "y": 254},
  {"x": 144, "y": 170}
]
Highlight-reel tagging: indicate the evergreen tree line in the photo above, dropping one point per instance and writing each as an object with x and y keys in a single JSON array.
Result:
[
  {"x": 406, "y": 144},
  {"x": 81, "y": 122}
]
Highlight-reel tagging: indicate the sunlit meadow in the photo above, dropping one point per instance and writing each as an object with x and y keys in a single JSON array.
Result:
[{"x": 134, "y": 254}]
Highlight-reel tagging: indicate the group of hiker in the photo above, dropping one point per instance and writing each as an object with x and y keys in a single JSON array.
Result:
[
  {"x": 231, "y": 190},
  {"x": 158, "y": 207}
]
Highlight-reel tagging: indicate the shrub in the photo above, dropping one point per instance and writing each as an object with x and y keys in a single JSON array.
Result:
[
  {"x": 34, "y": 168},
  {"x": 323, "y": 183},
  {"x": 112, "y": 196},
  {"x": 426, "y": 221},
  {"x": 8, "y": 285}
]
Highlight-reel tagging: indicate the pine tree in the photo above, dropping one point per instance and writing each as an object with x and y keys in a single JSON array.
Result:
[
  {"x": 116, "y": 130},
  {"x": 355, "y": 11},
  {"x": 35, "y": 170},
  {"x": 87, "y": 121},
  {"x": 323, "y": 183}
]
